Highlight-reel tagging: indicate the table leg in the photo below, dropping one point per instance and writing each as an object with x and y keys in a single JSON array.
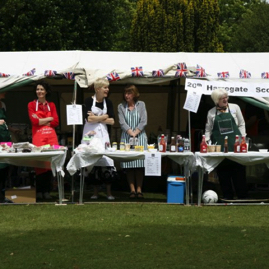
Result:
[
  {"x": 187, "y": 181},
  {"x": 60, "y": 187},
  {"x": 81, "y": 186},
  {"x": 200, "y": 184}
]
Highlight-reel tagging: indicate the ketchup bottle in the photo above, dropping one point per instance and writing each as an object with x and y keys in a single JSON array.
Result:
[
  {"x": 236, "y": 144},
  {"x": 203, "y": 145},
  {"x": 243, "y": 145},
  {"x": 162, "y": 146}
]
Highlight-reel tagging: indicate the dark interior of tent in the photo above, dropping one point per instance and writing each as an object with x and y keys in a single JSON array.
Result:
[{"x": 164, "y": 104}]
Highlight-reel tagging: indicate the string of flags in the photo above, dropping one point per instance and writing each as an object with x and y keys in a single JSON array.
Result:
[{"x": 181, "y": 71}]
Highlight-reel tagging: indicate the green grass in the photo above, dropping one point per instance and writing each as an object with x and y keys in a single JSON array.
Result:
[{"x": 133, "y": 235}]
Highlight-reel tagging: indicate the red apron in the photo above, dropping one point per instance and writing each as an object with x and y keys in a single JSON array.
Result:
[{"x": 43, "y": 135}]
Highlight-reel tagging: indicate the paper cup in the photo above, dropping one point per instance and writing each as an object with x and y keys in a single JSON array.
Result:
[
  {"x": 211, "y": 148},
  {"x": 218, "y": 148},
  {"x": 127, "y": 147}
]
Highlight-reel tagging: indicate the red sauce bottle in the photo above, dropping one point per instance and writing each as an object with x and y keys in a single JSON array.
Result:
[
  {"x": 236, "y": 144},
  {"x": 203, "y": 145},
  {"x": 162, "y": 146},
  {"x": 243, "y": 145}
]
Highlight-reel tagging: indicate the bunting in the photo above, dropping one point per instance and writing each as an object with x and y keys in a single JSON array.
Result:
[{"x": 181, "y": 70}]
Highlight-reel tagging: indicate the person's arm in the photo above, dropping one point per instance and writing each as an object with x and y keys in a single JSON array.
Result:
[
  {"x": 209, "y": 124},
  {"x": 110, "y": 113},
  {"x": 121, "y": 114},
  {"x": 143, "y": 118},
  {"x": 55, "y": 121},
  {"x": 241, "y": 121},
  {"x": 32, "y": 114},
  {"x": 96, "y": 119}
]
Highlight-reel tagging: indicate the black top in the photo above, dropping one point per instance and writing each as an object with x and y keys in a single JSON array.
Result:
[{"x": 88, "y": 107}]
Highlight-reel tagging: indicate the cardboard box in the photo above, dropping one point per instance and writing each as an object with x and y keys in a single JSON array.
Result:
[{"x": 21, "y": 195}]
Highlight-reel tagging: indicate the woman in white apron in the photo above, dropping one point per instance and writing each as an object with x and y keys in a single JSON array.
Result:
[
  {"x": 100, "y": 114},
  {"x": 133, "y": 120}
]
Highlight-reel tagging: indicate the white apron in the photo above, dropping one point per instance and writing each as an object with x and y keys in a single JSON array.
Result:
[{"x": 100, "y": 130}]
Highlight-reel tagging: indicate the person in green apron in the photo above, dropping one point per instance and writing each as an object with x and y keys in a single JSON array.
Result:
[
  {"x": 227, "y": 120},
  {"x": 4, "y": 137},
  {"x": 133, "y": 120}
]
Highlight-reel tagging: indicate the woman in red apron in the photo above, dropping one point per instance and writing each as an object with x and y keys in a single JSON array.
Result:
[
  {"x": 44, "y": 118},
  {"x": 227, "y": 120}
]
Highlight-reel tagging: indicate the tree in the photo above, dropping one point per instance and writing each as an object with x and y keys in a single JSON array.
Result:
[
  {"x": 231, "y": 13},
  {"x": 176, "y": 25},
  {"x": 65, "y": 25},
  {"x": 252, "y": 33}
]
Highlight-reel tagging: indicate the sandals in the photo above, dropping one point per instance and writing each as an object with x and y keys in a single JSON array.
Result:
[
  {"x": 132, "y": 195},
  {"x": 140, "y": 195}
]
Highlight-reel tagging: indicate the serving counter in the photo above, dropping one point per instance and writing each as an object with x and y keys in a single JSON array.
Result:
[
  {"x": 53, "y": 160},
  {"x": 207, "y": 162},
  {"x": 82, "y": 160}
]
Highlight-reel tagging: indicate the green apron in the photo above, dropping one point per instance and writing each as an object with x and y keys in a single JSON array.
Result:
[
  {"x": 4, "y": 133},
  {"x": 224, "y": 125}
]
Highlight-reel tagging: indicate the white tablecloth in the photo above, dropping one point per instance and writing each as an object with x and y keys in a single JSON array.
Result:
[
  {"x": 209, "y": 161},
  {"x": 53, "y": 160},
  {"x": 86, "y": 159}
]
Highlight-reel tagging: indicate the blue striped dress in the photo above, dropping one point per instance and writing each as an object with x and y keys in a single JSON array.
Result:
[{"x": 133, "y": 119}]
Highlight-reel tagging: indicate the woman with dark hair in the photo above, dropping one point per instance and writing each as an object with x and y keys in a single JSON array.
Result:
[
  {"x": 44, "y": 118},
  {"x": 133, "y": 120}
]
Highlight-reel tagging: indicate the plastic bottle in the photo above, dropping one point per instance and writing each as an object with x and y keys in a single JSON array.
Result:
[
  {"x": 180, "y": 144},
  {"x": 203, "y": 145},
  {"x": 243, "y": 145},
  {"x": 187, "y": 147},
  {"x": 225, "y": 144},
  {"x": 173, "y": 144},
  {"x": 236, "y": 144},
  {"x": 162, "y": 146}
]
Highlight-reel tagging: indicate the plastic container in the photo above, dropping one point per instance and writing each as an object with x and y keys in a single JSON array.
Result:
[{"x": 175, "y": 189}]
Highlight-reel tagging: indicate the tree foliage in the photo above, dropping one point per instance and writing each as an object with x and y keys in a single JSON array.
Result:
[
  {"x": 231, "y": 14},
  {"x": 252, "y": 33},
  {"x": 65, "y": 25},
  {"x": 176, "y": 25}
]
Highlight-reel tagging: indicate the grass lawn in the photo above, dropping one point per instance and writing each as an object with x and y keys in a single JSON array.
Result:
[{"x": 133, "y": 235}]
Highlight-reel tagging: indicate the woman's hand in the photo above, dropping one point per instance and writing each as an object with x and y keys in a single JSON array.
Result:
[
  {"x": 130, "y": 132},
  {"x": 2, "y": 122}
]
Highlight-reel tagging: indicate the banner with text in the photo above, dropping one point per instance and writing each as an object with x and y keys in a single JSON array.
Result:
[{"x": 238, "y": 88}]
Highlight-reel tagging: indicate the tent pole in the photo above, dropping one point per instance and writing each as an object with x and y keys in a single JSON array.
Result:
[{"x": 74, "y": 137}]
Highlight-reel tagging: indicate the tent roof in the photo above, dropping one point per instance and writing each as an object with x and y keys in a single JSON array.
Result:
[{"x": 89, "y": 65}]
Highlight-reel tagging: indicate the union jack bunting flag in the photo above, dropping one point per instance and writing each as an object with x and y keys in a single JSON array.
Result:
[
  {"x": 200, "y": 72},
  {"x": 50, "y": 73},
  {"x": 113, "y": 76},
  {"x": 223, "y": 74},
  {"x": 265, "y": 75},
  {"x": 137, "y": 71},
  {"x": 244, "y": 74},
  {"x": 30, "y": 73},
  {"x": 158, "y": 73},
  {"x": 4, "y": 75},
  {"x": 69, "y": 75},
  {"x": 181, "y": 70}
]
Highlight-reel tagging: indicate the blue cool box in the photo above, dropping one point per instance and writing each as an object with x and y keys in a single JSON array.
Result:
[{"x": 175, "y": 189}]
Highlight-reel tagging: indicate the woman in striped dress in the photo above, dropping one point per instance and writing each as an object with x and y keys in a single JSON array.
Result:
[{"x": 133, "y": 120}]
